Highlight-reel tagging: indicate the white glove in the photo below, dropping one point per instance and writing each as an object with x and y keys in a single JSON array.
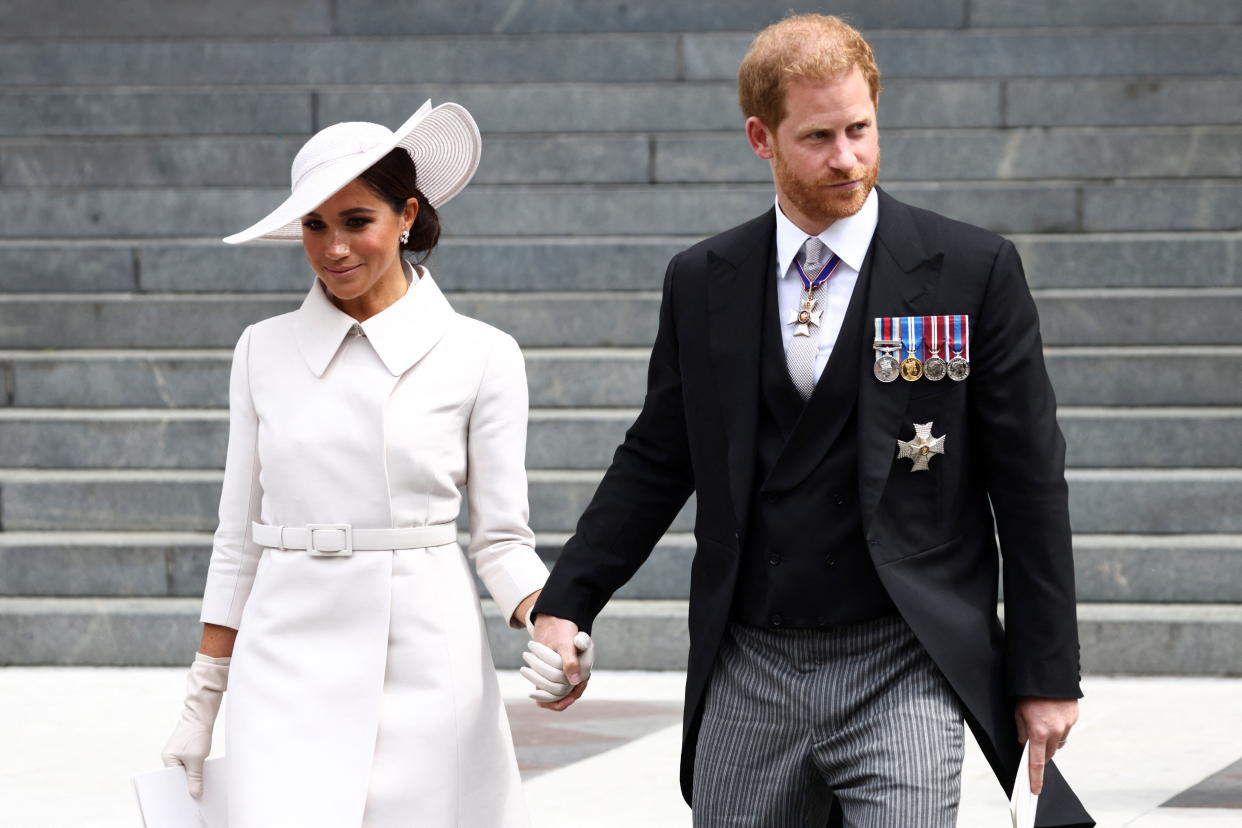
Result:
[
  {"x": 543, "y": 666},
  {"x": 190, "y": 742}
]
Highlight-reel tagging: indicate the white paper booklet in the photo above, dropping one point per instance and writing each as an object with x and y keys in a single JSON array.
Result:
[
  {"x": 1023, "y": 803},
  {"x": 165, "y": 802}
]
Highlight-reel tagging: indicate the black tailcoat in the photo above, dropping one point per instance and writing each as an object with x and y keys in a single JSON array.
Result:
[{"x": 931, "y": 535}]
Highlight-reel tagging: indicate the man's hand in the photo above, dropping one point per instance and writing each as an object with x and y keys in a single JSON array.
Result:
[
  {"x": 1045, "y": 723},
  {"x": 561, "y": 638}
]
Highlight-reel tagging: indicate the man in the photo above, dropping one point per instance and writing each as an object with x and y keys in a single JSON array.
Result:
[{"x": 855, "y": 391}]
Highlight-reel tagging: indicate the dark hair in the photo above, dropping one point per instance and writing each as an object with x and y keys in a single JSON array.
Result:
[{"x": 394, "y": 179}]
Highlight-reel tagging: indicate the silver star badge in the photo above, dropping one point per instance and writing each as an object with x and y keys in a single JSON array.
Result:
[
  {"x": 921, "y": 448},
  {"x": 804, "y": 317}
]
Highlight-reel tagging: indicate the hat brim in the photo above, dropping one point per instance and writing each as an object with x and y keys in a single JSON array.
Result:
[{"x": 443, "y": 141}]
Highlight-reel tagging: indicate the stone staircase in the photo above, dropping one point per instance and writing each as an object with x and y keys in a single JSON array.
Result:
[{"x": 1105, "y": 138}]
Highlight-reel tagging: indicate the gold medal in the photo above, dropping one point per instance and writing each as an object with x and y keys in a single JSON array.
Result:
[{"x": 911, "y": 369}]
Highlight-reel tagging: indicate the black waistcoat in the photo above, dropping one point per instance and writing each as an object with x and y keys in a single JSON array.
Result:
[{"x": 804, "y": 557}]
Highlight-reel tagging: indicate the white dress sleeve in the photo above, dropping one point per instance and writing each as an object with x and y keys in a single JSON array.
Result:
[
  {"x": 234, "y": 555},
  {"x": 502, "y": 546}
]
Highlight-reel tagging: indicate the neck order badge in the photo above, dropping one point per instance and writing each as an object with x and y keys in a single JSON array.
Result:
[{"x": 805, "y": 314}]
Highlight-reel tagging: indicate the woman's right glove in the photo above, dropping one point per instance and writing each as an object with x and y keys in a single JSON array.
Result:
[{"x": 191, "y": 740}]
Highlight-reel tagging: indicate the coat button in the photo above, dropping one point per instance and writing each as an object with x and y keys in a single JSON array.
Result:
[
  {"x": 771, "y": 497},
  {"x": 774, "y": 560},
  {"x": 840, "y": 501},
  {"x": 777, "y": 620},
  {"x": 828, "y": 559}
]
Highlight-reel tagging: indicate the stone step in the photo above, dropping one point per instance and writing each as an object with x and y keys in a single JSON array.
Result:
[
  {"x": 1139, "y": 316},
  {"x": 566, "y": 377},
  {"x": 658, "y": 158},
  {"x": 167, "y": 564},
  {"x": 1010, "y": 53},
  {"x": 1138, "y": 639},
  {"x": 581, "y": 439},
  {"x": 66, "y": 18},
  {"x": 573, "y": 107},
  {"x": 1010, "y": 154},
  {"x": 515, "y": 58},
  {"x": 1123, "y": 260},
  {"x": 1135, "y": 501},
  {"x": 1109, "y": 568},
  {"x": 644, "y": 210}
]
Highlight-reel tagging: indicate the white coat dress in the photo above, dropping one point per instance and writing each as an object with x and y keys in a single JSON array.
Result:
[{"x": 362, "y": 690}]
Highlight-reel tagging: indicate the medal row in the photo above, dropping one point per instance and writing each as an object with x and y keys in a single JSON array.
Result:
[{"x": 922, "y": 340}]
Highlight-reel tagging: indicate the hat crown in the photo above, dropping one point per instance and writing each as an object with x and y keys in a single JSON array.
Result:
[{"x": 337, "y": 142}]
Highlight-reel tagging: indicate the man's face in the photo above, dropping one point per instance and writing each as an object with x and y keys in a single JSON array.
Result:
[{"x": 825, "y": 154}]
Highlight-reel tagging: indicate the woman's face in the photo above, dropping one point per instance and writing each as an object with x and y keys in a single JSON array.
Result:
[{"x": 352, "y": 241}]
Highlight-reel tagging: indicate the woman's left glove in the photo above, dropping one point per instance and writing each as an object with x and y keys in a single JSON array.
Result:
[
  {"x": 543, "y": 666},
  {"x": 191, "y": 740}
]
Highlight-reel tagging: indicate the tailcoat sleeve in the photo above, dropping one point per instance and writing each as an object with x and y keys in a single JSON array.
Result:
[
  {"x": 502, "y": 545},
  {"x": 1023, "y": 454},
  {"x": 234, "y": 555},
  {"x": 650, "y": 479}
]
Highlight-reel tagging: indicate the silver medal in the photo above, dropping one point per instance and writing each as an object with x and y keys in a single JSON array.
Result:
[
  {"x": 934, "y": 368},
  {"x": 959, "y": 368}
]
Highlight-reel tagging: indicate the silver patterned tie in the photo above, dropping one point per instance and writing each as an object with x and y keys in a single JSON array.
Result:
[{"x": 800, "y": 356}]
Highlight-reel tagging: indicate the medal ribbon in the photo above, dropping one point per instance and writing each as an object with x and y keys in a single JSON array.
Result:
[
  {"x": 961, "y": 336},
  {"x": 932, "y": 324},
  {"x": 824, "y": 273},
  {"x": 912, "y": 338}
]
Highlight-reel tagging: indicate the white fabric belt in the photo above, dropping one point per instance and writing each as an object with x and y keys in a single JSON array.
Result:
[{"x": 340, "y": 540}]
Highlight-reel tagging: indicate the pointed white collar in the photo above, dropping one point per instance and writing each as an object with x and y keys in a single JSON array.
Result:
[
  {"x": 401, "y": 333},
  {"x": 847, "y": 237}
]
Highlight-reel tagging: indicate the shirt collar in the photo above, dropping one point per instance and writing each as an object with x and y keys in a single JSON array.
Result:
[
  {"x": 847, "y": 237},
  {"x": 401, "y": 333}
]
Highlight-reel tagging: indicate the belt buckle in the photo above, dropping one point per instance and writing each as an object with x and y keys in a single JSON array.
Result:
[{"x": 330, "y": 547}]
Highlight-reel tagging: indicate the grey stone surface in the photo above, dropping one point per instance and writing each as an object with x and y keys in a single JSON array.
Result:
[
  {"x": 1102, "y": 12},
  {"x": 1208, "y": 205},
  {"x": 628, "y": 107},
  {"x": 1133, "y": 568},
  {"x": 180, "y": 501},
  {"x": 126, "y": 321},
  {"x": 187, "y": 501},
  {"x": 581, "y": 263},
  {"x": 576, "y": 439},
  {"x": 595, "y": 209},
  {"x": 111, "y": 442},
  {"x": 128, "y": 112},
  {"x": 1132, "y": 261},
  {"x": 478, "y": 264},
  {"x": 1152, "y": 438},
  {"x": 1172, "y": 639},
  {"x": 310, "y": 61},
  {"x": 252, "y": 161},
  {"x": 66, "y": 268},
  {"x": 1122, "y": 101},
  {"x": 85, "y": 569},
  {"x": 1139, "y": 317},
  {"x": 1013, "y": 53},
  {"x": 1183, "y": 376},
  {"x": 97, "y": 631},
  {"x": 1101, "y": 501},
  {"x": 1139, "y": 501},
  {"x": 140, "y": 18},
  {"x": 122, "y": 380},
  {"x": 953, "y": 155},
  {"x": 1116, "y": 638},
  {"x": 378, "y": 17}
]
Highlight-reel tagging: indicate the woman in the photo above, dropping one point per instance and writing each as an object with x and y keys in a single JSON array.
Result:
[{"x": 360, "y": 682}]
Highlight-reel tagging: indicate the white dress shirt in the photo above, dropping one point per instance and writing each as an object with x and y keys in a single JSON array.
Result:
[{"x": 848, "y": 238}]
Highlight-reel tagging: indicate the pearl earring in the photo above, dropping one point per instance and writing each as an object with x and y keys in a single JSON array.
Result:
[{"x": 405, "y": 236}]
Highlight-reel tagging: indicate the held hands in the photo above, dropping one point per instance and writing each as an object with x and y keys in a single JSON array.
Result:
[
  {"x": 190, "y": 742},
  {"x": 558, "y": 660},
  {"x": 1046, "y": 724}
]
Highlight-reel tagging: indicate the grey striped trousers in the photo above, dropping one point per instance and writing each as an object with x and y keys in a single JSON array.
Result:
[{"x": 794, "y": 718}]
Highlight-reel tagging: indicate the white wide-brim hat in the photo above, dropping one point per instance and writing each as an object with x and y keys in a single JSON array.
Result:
[{"x": 443, "y": 142}]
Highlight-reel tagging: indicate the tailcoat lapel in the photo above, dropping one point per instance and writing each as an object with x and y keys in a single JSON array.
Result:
[
  {"x": 736, "y": 275},
  {"x": 905, "y": 275}
]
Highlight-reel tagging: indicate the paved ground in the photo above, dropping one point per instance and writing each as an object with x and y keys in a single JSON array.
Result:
[{"x": 71, "y": 737}]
